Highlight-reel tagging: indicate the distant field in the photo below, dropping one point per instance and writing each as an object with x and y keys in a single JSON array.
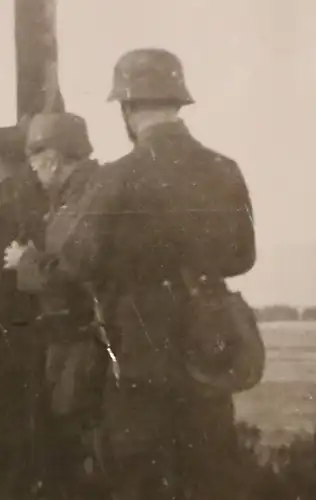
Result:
[{"x": 285, "y": 402}]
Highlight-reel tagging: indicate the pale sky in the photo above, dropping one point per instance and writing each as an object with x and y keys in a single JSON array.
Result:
[{"x": 250, "y": 65}]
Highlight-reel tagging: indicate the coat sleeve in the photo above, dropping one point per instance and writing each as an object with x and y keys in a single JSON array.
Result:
[
  {"x": 240, "y": 254},
  {"x": 84, "y": 253},
  {"x": 38, "y": 271},
  {"x": 87, "y": 255},
  {"x": 29, "y": 276}
]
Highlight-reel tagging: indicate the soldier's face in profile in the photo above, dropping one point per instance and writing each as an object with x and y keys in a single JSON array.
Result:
[{"x": 45, "y": 164}]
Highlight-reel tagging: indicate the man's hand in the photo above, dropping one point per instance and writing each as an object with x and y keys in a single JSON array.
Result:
[{"x": 13, "y": 254}]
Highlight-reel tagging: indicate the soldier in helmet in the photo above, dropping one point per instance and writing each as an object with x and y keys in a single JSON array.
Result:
[
  {"x": 70, "y": 361},
  {"x": 175, "y": 220}
]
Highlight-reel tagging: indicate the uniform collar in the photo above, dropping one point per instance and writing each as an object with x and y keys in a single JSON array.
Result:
[{"x": 170, "y": 127}]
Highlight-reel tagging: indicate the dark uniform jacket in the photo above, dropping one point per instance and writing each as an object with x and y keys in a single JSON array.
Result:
[
  {"x": 66, "y": 310},
  {"x": 183, "y": 207},
  {"x": 170, "y": 204}
]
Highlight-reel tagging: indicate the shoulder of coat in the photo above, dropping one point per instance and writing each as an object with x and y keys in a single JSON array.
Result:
[
  {"x": 220, "y": 159},
  {"x": 225, "y": 167},
  {"x": 121, "y": 167}
]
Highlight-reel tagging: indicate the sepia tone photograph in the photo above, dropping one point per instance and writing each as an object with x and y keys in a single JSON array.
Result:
[{"x": 158, "y": 252}]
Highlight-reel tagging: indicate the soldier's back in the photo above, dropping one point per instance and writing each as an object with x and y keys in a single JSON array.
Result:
[{"x": 180, "y": 204}]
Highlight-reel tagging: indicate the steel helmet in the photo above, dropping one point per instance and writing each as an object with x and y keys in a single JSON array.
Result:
[
  {"x": 65, "y": 132},
  {"x": 149, "y": 74}
]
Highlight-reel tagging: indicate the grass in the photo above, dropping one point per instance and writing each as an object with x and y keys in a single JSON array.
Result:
[
  {"x": 276, "y": 420},
  {"x": 284, "y": 404}
]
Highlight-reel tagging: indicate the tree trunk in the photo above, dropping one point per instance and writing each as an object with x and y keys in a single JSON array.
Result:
[{"x": 36, "y": 57}]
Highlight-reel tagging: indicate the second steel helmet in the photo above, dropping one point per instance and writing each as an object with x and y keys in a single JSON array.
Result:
[
  {"x": 65, "y": 132},
  {"x": 149, "y": 74}
]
